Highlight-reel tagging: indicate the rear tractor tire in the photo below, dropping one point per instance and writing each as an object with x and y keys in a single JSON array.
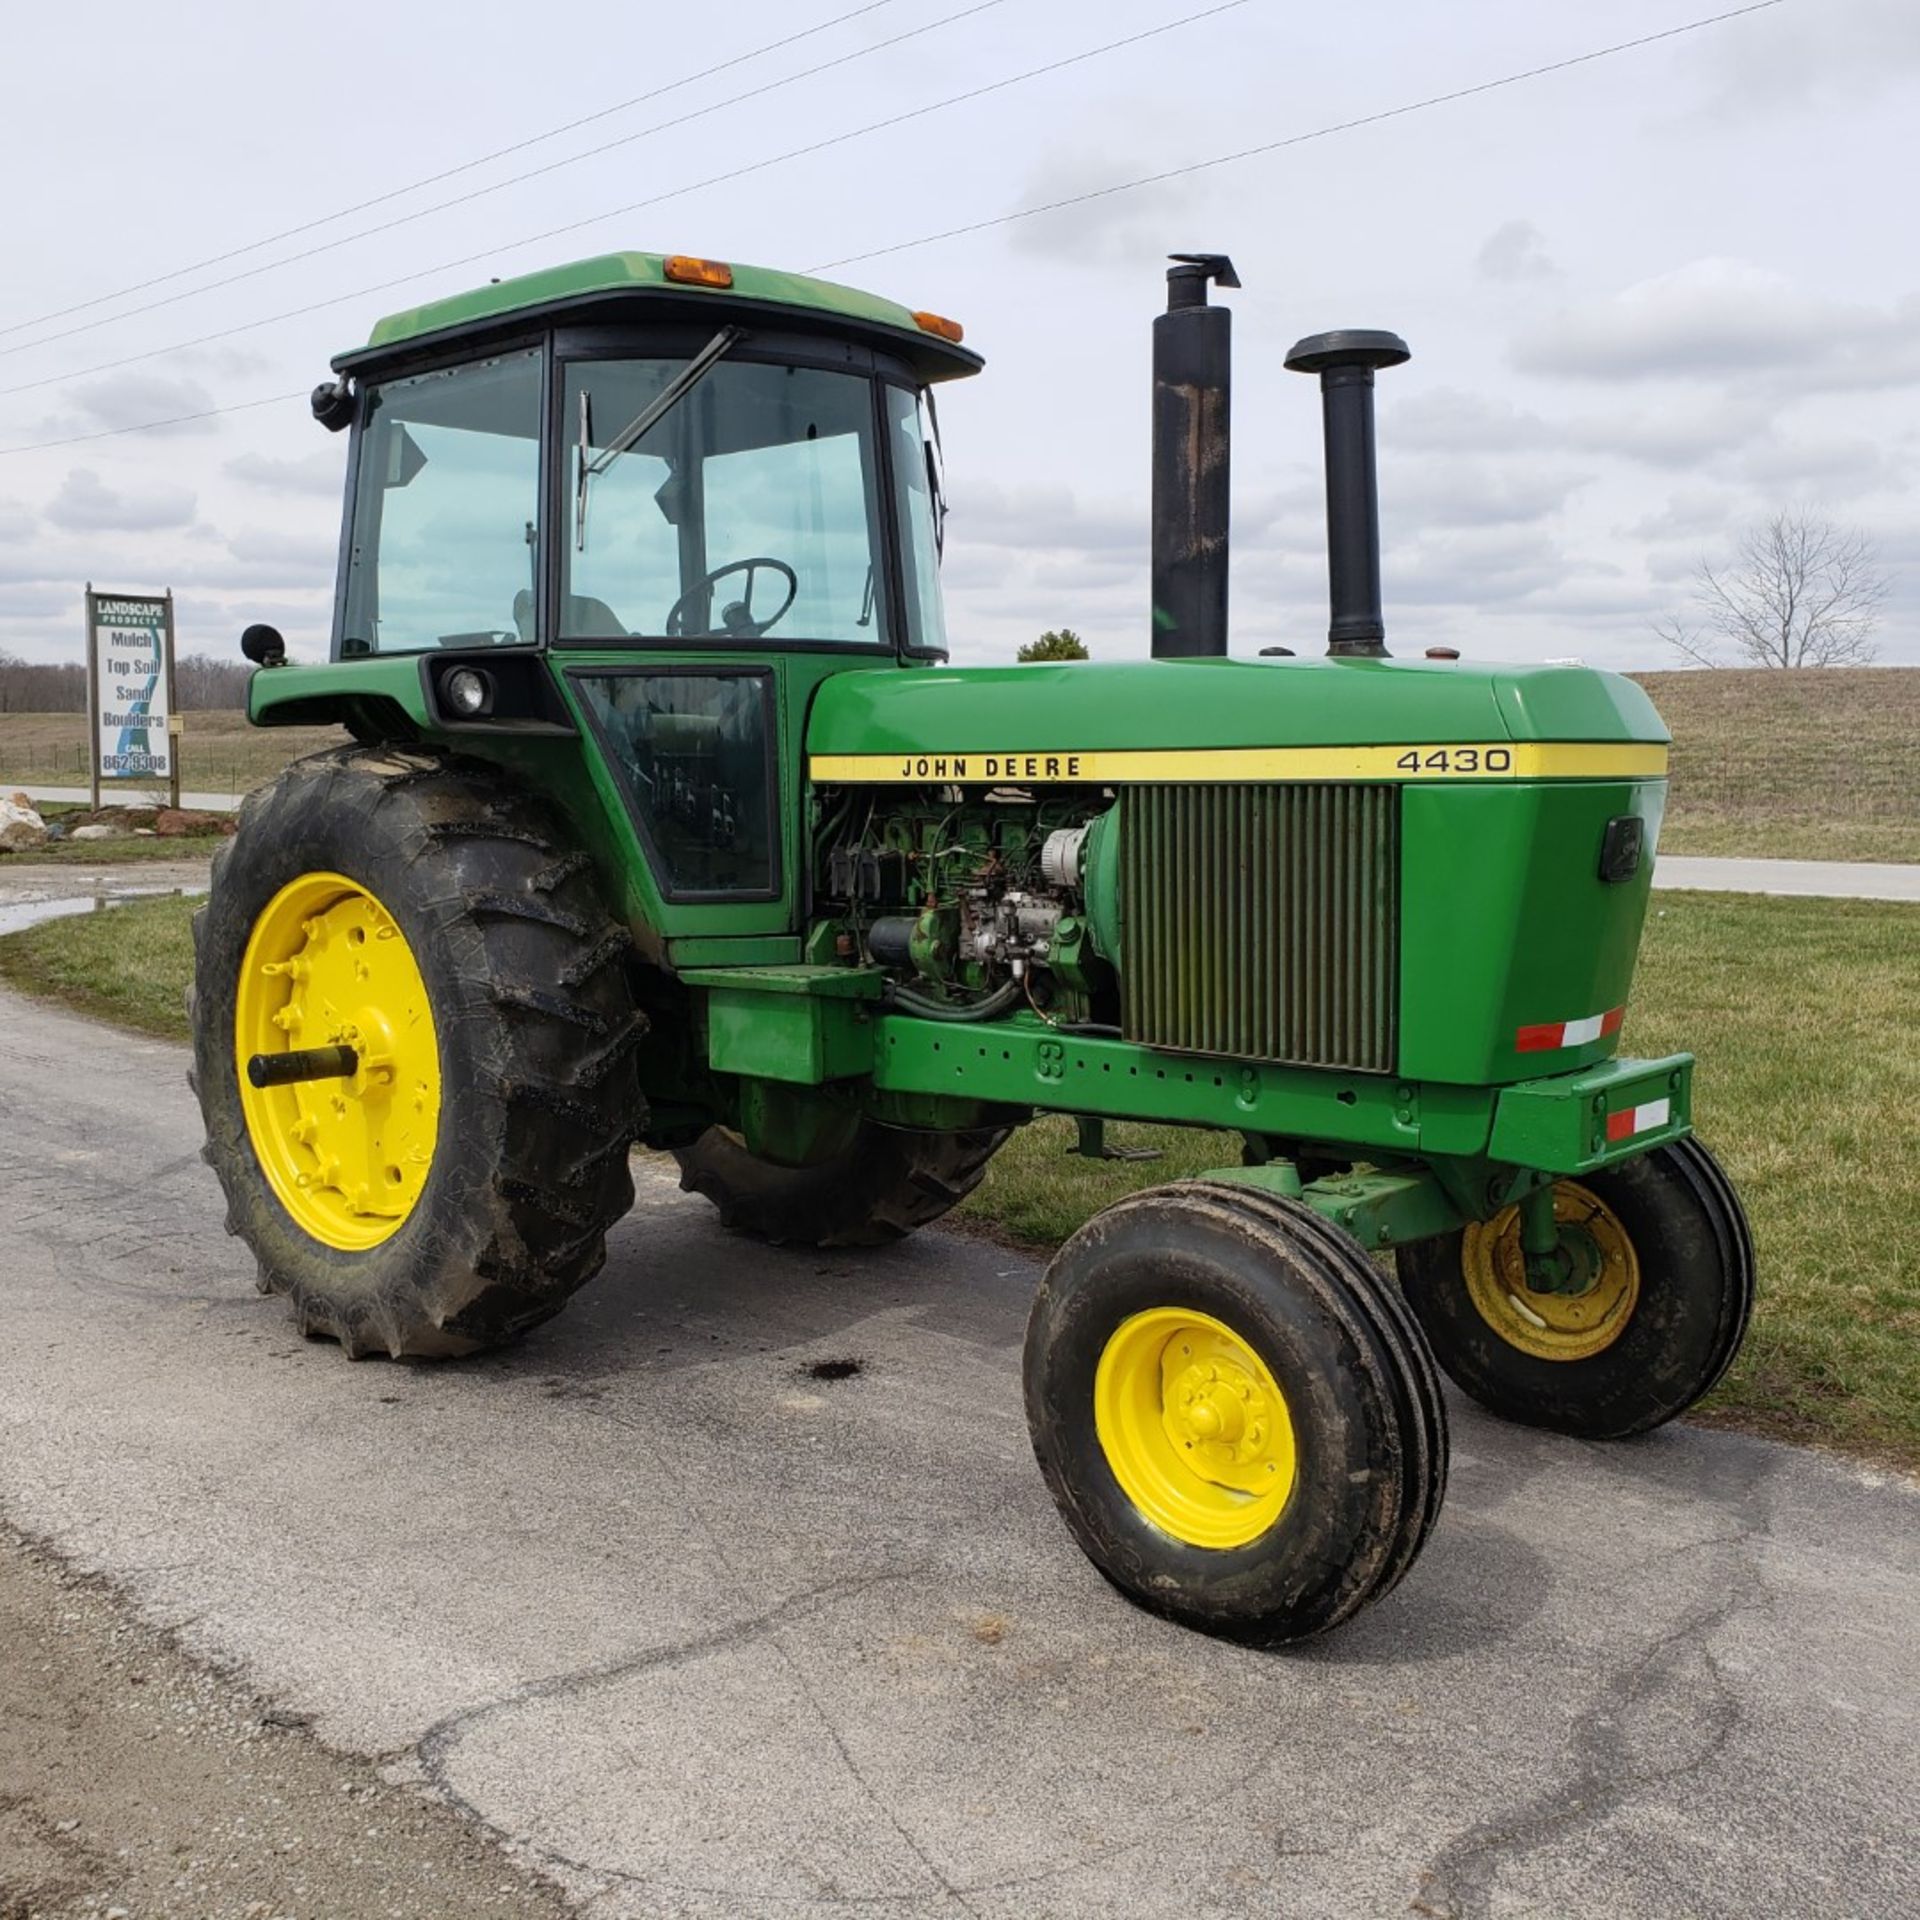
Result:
[
  {"x": 875, "y": 1187},
  {"x": 1236, "y": 1416},
  {"x": 452, "y": 1183},
  {"x": 1671, "y": 1261}
]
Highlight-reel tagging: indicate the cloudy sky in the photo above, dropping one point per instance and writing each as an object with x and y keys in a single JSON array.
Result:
[{"x": 1650, "y": 298}]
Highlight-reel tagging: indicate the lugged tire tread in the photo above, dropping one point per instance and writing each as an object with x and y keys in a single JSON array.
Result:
[
  {"x": 555, "y": 1082},
  {"x": 888, "y": 1184},
  {"x": 1400, "y": 1338},
  {"x": 1388, "y": 1370}
]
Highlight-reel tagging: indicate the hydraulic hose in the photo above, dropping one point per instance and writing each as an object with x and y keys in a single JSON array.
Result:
[{"x": 1002, "y": 999}]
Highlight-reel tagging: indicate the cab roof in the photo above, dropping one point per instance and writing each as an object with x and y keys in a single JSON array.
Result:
[{"x": 635, "y": 285}]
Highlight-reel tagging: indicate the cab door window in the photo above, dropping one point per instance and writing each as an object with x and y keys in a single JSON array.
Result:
[{"x": 694, "y": 750}]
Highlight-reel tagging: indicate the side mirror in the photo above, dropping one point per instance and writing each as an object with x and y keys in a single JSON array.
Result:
[
  {"x": 264, "y": 646},
  {"x": 332, "y": 404}
]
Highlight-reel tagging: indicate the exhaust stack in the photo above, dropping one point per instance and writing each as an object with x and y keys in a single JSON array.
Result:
[
  {"x": 1192, "y": 391},
  {"x": 1345, "y": 362}
]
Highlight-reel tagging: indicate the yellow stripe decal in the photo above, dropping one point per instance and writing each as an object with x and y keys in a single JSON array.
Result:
[{"x": 1496, "y": 760}]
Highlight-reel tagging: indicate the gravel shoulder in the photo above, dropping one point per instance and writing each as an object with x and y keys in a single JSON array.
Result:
[{"x": 135, "y": 1779}]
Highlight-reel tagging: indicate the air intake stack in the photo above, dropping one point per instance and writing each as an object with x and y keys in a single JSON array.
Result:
[
  {"x": 1345, "y": 362},
  {"x": 1192, "y": 393}
]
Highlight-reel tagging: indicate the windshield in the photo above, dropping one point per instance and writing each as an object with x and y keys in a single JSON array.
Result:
[
  {"x": 749, "y": 508},
  {"x": 443, "y": 550}
]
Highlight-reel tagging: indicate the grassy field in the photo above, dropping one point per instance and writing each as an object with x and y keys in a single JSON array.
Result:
[
  {"x": 220, "y": 752},
  {"x": 1818, "y": 764},
  {"x": 1801, "y": 1013}
]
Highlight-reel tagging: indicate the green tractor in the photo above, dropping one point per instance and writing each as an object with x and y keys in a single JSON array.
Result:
[{"x": 668, "y": 825}]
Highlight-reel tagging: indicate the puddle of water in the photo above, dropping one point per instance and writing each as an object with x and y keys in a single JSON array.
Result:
[{"x": 22, "y": 914}]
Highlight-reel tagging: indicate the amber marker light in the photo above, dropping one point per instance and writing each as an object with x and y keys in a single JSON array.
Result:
[
  {"x": 691, "y": 271},
  {"x": 940, "y": 324}
]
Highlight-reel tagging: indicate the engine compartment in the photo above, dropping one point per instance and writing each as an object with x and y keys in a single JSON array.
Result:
[{"x": 971, "y": 901}]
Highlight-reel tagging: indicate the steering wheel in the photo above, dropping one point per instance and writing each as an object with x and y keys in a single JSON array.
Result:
[{"x": 736, "y": 618}]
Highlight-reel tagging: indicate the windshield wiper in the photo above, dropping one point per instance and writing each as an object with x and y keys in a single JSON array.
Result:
[
  {"x": 683, "y": 383},
  {"x": 936, "y": 472}
]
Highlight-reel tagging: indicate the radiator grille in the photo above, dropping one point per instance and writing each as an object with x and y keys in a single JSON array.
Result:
[{"x": 1262, "y": 921}]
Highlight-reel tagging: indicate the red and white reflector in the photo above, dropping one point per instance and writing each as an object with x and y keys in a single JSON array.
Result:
[
  {"x": 1556, "y": 1034},
  {"x": 1644, "y": 1118}
]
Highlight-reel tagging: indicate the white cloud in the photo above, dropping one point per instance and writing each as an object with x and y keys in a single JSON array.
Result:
[
  {"x": 1720, "y": 319},
  {"x": 86, "y": 504},
  {"x": 133, "y": 399},
  {"x": 321, "y": 473},
  {"x": 1834, "y": 54},
  {"x": 1449, "y": 419},
  {"x": 1515, "y": 251},
  {"x": 295, "y": 552},
  {"x": 1120, "y": 229}
]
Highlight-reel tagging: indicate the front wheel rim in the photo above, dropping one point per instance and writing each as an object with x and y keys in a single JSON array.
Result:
[
  {"x": 1553, "y": 1326},
  {"x": 326, "y": 964},
  {"x": 1194, "y": 1427}
]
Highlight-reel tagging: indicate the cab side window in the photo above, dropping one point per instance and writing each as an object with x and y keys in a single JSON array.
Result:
[{"x": 444, "y": 550}]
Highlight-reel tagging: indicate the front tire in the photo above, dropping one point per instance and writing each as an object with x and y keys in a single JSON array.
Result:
[
  {"x": 458, "y": 1187},
  {"x": 1660, "y": 1323},
  {"x": 1236, "y": 1418},
  {"x": 879, "y": 1186}
]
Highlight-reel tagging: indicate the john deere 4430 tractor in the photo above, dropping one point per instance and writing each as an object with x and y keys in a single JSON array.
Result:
[{"x": 668, "y": 825}]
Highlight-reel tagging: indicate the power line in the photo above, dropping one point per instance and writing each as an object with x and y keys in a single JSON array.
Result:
[
  {"x": 477, "y": 193},
  {"x": 448, "y": 173},
  {"x": 1298, "y": 139},
  {"x": 1024, "y": 213},
  {"x": 152, "y": 426},
  {"x": 492, "y": 253}
]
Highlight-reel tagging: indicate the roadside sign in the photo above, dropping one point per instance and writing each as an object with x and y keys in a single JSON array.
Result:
[{"x": 131, "y": 719}]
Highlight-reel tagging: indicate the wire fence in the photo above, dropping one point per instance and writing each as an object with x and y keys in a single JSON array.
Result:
[{"x": 64, "y": 763}]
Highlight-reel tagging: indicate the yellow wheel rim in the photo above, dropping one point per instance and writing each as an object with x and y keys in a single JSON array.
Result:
[
  {"x": 1553, "y": 1326},
  {"x": 1194, "y": 1427},
  {"x": 326, "y": 965}
]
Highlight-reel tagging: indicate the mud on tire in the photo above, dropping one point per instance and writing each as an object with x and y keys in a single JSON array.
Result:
[{"x": 527, "y": 978}]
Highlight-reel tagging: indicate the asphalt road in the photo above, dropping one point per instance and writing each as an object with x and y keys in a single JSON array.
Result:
[
  {"x": 710, "y": 1636},
  {"x": 1822, "y": 879}
]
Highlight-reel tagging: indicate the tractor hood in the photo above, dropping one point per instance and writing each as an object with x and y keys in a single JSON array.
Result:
[{"x": 1225, "y": 719}]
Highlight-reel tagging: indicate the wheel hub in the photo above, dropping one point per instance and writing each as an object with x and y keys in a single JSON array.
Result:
[
  {"x": 1566, "y": 1305},
  {"x": 1194, "y": 1427},
  {"x": 326, "y": 965}
]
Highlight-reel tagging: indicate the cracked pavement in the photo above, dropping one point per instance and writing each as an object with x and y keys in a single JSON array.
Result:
[{"x": 701, "y": 1634}]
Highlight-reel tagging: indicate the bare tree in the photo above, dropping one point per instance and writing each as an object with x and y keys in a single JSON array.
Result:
[{"x": 1800, "y": 592}]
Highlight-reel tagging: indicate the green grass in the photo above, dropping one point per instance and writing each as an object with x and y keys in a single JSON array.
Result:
[
  {"x": 128, "y": 964},
  {"x": 1801, "y": 1013},
  {"x": 1813, "y": 764}
]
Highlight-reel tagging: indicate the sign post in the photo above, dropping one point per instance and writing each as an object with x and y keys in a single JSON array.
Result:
[{"x": 130, "y": 700}]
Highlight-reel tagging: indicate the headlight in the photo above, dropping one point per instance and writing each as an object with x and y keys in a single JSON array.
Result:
[{"x": 468, "y": 692}]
